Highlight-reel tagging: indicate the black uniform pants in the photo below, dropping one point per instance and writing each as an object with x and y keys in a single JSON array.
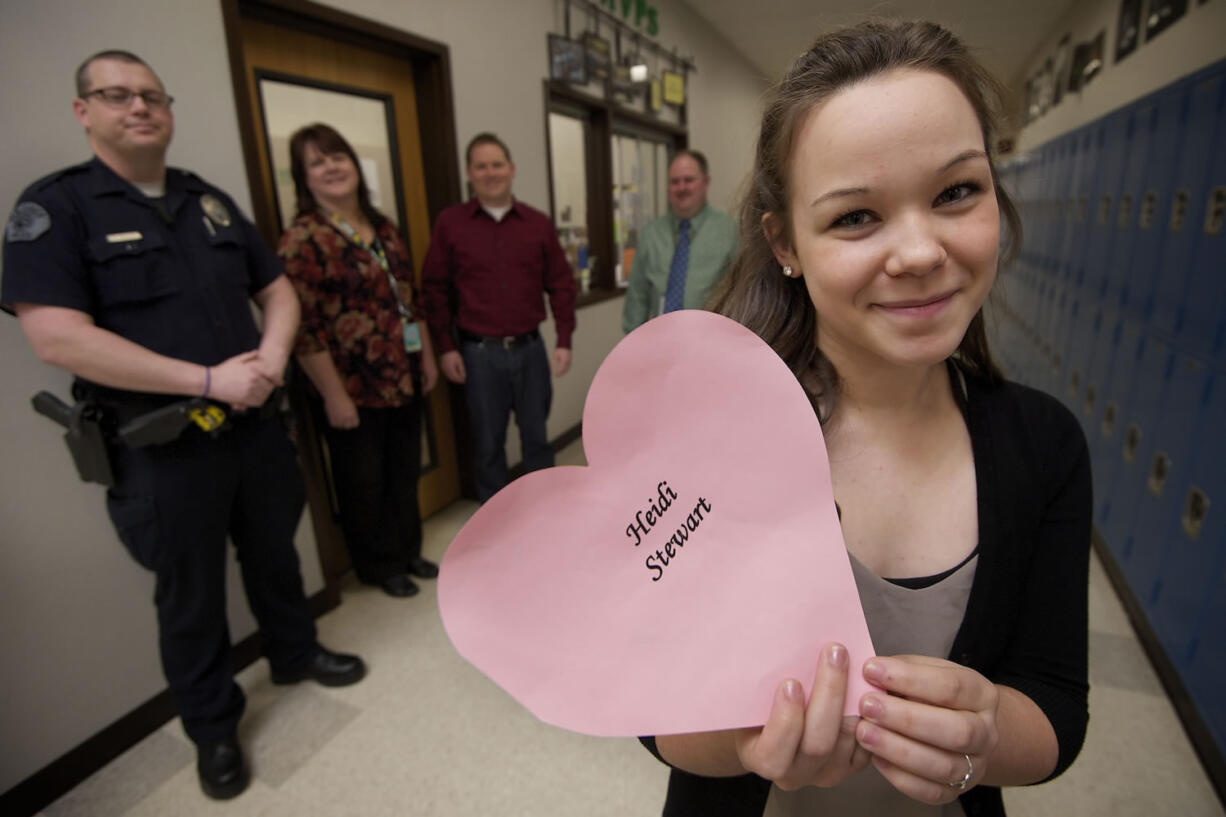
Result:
[
  {"x": 173, "y": 506},
  {"x": 374, "y": 469}
]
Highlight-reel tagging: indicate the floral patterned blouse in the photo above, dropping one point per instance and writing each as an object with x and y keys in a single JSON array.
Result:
[{"x": 348, "y": 308}]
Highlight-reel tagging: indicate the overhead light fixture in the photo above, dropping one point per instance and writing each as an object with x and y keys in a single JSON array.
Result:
[{"x": 638, "y": 71}]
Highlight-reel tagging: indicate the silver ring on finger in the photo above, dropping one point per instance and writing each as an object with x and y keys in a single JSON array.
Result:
[{"x": 960, "y": 785}]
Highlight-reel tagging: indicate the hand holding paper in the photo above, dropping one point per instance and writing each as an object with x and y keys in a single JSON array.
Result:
[{"x": 695, "y": 563}]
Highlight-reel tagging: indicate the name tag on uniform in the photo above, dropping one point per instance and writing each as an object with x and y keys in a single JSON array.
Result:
[
  {"x": 412, "y": 337},
  {"x": 121, "y": 238}
]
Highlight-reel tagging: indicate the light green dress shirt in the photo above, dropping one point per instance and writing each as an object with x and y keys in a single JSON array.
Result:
[{"x": 713, "y": 242}]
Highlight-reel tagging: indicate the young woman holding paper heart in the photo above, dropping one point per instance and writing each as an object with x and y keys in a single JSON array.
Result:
[{"x": 870, "y": 242}]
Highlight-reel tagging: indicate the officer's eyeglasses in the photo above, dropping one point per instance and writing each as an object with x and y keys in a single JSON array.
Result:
[{"x": 119, "y": 97}]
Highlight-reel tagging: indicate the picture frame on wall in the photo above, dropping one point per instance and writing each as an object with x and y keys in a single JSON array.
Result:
[
  {"x": 622, "y": 90},
  {"x": 673, "y": 87},
  {"x": 599, "y": 61},
  {"x": 1161, "y": 15},
  {"x": 1128, "y": 29},
  {"x": 1064, "y": 53},
  {"x": 567, "y": 60},
  {"x": 1087, "y": 61}
]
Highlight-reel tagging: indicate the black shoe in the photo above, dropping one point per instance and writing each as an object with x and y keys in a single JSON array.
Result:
[
  {"x": 423, "y": 568},
  {"x": 332, "y": 669},
  {"x": 219, "y": 763},
  {"x": 400, "y": 586}
]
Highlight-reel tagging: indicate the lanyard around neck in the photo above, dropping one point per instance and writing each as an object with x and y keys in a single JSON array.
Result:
[{"x": 375, "y": 248}]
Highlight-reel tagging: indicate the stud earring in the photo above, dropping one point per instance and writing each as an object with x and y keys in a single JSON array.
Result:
[{"x": 787, "y": 271}]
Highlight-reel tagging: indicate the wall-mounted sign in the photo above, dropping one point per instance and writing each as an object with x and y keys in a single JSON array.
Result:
[
  {"x": 567, "y": 60},
  {"x": 599, "y": 65},
  {"x": 654, "y": 97},
  {"x": 643, "y": 15},
  {"x": 674, "y": 87}
]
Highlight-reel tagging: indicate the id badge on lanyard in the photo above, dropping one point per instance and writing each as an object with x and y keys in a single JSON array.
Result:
[{"x": 412, "y": 336}]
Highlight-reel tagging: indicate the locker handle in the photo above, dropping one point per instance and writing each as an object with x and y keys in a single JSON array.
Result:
[
  {"x": 1074, "y": 383},
  {"x": 1109, "y": 418},
  {"x": 1159, "y": 472},
  {"x": 1104, "y": 210},
  {"x": 1215, "y": 211},
  {"x": 1179, "y": 210},
  {"x": 1146, "y": 218},
  {"x": 1091, "y": 396},
  {"x": 1132, "y": 441},
  {"x": 1195, "y": 508}
]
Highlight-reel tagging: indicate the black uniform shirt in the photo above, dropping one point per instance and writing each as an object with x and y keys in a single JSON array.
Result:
[{"x": 174, "y": 275}]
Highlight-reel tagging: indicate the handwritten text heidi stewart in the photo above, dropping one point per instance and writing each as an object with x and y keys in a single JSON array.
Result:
[{"x": 649, "y": 517}]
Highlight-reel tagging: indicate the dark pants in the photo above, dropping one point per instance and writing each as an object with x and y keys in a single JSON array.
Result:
[
  {"x": 374, "y": 469},
  {"x": 500, "y": 381},
  {"x": 173, "y": 506}
]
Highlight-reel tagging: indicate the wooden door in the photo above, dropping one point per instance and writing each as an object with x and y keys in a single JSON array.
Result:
[{"x": 284, "y": 55}]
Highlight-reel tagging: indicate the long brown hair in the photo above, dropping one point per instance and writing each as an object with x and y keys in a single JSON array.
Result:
[
  {"x": 327, "y": 140},
  {"x": 755, "y": 292}
]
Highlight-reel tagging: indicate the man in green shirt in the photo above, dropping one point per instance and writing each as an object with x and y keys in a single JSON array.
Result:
[{"x": 680, "y": 256}]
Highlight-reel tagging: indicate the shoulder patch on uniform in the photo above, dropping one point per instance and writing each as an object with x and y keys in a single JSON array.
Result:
[{"x": 28, "y": 221}]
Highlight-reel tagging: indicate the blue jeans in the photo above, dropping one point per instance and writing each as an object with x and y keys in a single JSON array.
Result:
[{"x": 500, "y": 381}]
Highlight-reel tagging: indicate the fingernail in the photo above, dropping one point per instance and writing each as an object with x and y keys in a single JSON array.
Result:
[
  {"x": 837, "y": 655},
  {"x": 871, "y": 707},
  {"x": 873, "y": 671},
  {"x": 866, "y": 734},
  {"x": 793, "y": 692}
]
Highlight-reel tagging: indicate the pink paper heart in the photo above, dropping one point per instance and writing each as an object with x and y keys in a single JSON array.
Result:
[{"x": 547, "y": 593}]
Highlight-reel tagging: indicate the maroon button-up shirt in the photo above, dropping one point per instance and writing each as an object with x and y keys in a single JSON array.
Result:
[{"x": 488, "y": 277}]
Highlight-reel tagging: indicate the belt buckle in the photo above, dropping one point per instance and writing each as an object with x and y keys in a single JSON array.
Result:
[{"x": 508, "y": 343}]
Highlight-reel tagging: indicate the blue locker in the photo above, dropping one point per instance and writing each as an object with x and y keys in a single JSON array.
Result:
[
  {"x": 1167, "y": 463},
  {"x": 1154, "y": 204},
  {"x": 1139, "y": 414},
  {"x": 1104, "y": 343},
  {"x": 1119, "y": 364},
  {"x": 1079, "y": 168},
  {"x": 1193, "y": 527},
  {"x": 1202, "y": 317},
  {"x": 1111, "y": 144},
  {"x": 1205, "y": 676},
  {"x": 1141, "y": 119},
  {"x": 1198, "y": 119},
  {"x": 1083, "y": 337},
  {"x": 1107, "y": 451}
]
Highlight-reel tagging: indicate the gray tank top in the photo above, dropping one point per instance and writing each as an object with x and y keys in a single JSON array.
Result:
[{"x": 900, "y": 621}]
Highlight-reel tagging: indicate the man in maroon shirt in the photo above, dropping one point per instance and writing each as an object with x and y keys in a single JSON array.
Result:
[{"x": 490, "y": 261}]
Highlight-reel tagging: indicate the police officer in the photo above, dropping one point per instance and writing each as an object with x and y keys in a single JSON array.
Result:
[{"x": 137, "y": 278}]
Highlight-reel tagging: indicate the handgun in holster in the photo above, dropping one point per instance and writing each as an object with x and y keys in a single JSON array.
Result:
[{"x": 85, "y": 435}]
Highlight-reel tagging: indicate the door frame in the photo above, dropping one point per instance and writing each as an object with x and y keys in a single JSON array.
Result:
[
  {"x": 431, "y": 78},
  {"x": 431, "y": 69}
]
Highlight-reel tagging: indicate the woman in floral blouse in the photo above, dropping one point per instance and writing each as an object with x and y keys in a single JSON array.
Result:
[{"x": 366, "y": 353}]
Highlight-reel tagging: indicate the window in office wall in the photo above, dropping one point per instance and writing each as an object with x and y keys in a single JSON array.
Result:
[
  {"x": 640, "y": 192},
  {"x": 568, "y": 163}
]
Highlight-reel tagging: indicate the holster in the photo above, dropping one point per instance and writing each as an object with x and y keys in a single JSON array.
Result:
[{"x": 86, "y": 436}]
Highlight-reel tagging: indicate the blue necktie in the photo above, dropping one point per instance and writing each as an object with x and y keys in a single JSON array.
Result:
[{"x": 674, "y": 292}]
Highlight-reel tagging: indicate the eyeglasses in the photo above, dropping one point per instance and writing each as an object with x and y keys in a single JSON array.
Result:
[{"x": 119, "y": 97}]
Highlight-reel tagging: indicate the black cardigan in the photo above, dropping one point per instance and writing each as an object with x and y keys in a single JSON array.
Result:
[{"x": 1026, "y": 618}]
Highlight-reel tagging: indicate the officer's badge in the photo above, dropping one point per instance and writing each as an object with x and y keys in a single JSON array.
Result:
[
  {"x": 215, "y": 210},
  {"x": 28, "y": 222}
]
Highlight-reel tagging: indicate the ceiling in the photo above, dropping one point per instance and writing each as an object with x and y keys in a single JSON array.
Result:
[{"x": 770, "y": 33}]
